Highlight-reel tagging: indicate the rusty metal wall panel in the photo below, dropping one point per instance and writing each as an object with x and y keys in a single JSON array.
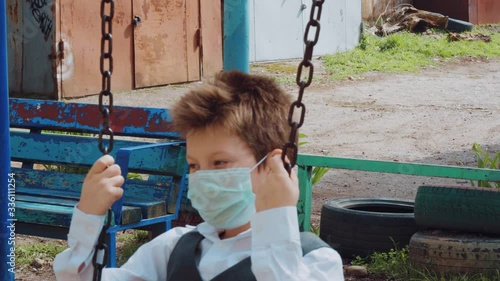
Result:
[
  {"x": 31, "y": 33},
  {"x": 488, "y": 11},
  {"x": 211, "y": 32},
  {"x": 457, "y": 9},
  {"x": 38, "y": 70},
  {"x": 192, "y": 40},
  {"x": 80, "y": 31},
  {"x": 15, "y": 42},
  {"x": 160, "y": 42},
  {"x": 473, "y": 11}
]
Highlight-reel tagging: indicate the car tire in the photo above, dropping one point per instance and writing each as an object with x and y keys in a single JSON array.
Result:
[
  {"x": 453, "y": 252},
  {"x": 361, "y": 226},
  {"x": 463, "y": 208}
]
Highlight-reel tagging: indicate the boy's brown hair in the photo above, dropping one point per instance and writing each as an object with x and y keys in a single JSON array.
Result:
[{"x": 252, "y": 107}]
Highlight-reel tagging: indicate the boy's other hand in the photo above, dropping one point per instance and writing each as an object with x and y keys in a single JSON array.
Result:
[
  {"x": 101, "y": 187},
  {"x": 278, "y": 189}
]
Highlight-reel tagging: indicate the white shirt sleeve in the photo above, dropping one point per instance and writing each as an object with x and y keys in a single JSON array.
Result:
[
  {"x": 149, "y": 262},
  {"x": 277, "y": 253}
]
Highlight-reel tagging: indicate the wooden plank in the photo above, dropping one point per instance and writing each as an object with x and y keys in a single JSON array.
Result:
[
  {"x": 38, "y": 71},
  {"x": 211, "y": 37},
  {"x": 83, "y": 151},
  {"x": 43, "y": 230},
  {"x": 149, "y": 209},
  {"x": 192, "y": 42},
  {"x": 125, "y": 121},
  {"x": 403, "y": 168},
  {"x": 152, "y": 209},
  {"x": 15, "y": 34},
  {"x": 47, "y": 200},
  {"x": 58, "y": 212},
  {"x": 30, "y": 212},
  {"x": 69, "y": 185}
]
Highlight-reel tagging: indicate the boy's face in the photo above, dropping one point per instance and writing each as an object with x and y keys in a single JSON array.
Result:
[{"x": 215, "y": 148}]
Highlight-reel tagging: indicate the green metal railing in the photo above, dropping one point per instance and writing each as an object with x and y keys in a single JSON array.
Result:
[{"x": 306, "y": 162}]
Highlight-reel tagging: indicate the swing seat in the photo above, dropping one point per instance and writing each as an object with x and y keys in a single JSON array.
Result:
[{"x": 55, "y": 143}]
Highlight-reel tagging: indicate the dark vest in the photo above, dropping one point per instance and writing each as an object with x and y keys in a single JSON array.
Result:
[{"x": 182, "y": 265}]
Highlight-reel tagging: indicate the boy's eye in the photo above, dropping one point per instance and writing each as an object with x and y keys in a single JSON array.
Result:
[
  {"x": 192, "y": 167},
  {"x": 220, "y": 163}
]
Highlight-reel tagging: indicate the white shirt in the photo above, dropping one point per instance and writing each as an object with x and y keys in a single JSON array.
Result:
[{"x": 273, "y": 244}]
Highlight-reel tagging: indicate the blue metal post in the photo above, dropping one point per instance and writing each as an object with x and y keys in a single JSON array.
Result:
[
  {"x": 236, "y": 35},
  {"x": 6, "y": 258}
]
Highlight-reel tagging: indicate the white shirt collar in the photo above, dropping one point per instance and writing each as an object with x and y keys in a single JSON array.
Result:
[{"x": 211, "y": 233}]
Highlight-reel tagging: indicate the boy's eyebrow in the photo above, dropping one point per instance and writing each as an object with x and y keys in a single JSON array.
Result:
[{"x": 218, "y": 153}]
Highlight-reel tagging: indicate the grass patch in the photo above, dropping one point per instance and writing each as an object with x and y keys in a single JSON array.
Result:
[
  {"x": 408, "y": 52},
  {"x": 395, "y": 265},
  {"x": 26, "y": 254},
  {"x": 279, "y": 68},
  {"x": 129, "y": 243}
]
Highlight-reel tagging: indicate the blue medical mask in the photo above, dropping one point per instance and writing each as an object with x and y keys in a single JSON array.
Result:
[{"x": 224, "y": 197}]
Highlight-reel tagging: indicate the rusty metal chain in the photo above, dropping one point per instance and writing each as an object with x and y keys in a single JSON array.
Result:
[
  {"x": 306, "y": 63},
  {"x": 106, "y": 56},
  {"x": 101, "y": 249}
]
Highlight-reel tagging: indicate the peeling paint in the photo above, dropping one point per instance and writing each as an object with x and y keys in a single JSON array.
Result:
[{"x": 66, "y": 66}]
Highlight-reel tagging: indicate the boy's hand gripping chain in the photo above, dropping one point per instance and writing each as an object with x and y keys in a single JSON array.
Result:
[
  {"x": 101, "y": 250},
  {"x": 291, "y": 145}
]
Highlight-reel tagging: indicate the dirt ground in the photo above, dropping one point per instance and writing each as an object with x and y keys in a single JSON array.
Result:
[{"x": 434, "y": 116}]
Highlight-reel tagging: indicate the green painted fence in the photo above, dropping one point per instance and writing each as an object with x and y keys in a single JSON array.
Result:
[{"x": 306, "y": 162}]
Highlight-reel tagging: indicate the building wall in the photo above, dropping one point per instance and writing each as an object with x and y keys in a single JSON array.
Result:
[{"x": 277, "y": 28}]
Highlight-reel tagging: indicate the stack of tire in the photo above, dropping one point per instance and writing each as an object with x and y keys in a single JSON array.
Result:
[
  {"x": 462, "y": 230},
  {"x": 361, "y": 226}
]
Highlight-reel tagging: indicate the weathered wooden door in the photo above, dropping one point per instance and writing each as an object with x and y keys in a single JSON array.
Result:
[
  {"x": 30, "y": 43},
  {"x": 78, "y": 48},
  {"x": 166, "y": 41}
]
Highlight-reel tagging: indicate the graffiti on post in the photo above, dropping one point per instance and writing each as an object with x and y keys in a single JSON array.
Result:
[{"x": 43, "y": 20}]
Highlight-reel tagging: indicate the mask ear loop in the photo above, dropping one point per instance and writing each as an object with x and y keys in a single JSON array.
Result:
[{"x": 258, "y": 163}]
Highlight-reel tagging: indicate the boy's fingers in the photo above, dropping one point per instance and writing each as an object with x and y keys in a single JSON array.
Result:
[
  {"x": 102, "y": 164},
  {"x": 117, "y": 193},
  {"x": 117, "y": 181},
  {"x": 275, "y": 163},
  {"x": 111, "y": 171}
]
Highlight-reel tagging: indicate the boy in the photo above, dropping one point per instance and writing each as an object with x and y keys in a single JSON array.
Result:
[{"x": 232, "y": 128}]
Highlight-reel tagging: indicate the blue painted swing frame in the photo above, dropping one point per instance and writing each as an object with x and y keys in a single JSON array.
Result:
[{"x": 6, "y": 272}]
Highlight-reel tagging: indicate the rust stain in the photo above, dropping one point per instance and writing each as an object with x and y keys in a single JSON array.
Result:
[
  {"x": 120, "y": 18},
  {"x": 13, "y": 12},
  {"x": 51, "y": 112},
  {"x": 159, "y": 125},
  {"x": 122, "y": 118},
  {"x": 145, "y": 9}
]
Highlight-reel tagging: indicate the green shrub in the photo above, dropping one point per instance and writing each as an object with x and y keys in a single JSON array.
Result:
[
  {"x": 484, "y": 160},
  {"x": 395, "y": 265},
  {"x": 317, "y": 172}
]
